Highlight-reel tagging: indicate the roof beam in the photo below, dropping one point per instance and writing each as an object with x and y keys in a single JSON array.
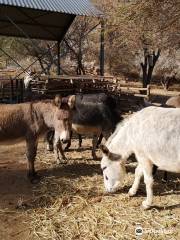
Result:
[{"x": 31, "y": 24}]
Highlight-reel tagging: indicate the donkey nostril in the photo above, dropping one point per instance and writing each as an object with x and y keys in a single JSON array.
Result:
[{"x": 64, "y": 140}]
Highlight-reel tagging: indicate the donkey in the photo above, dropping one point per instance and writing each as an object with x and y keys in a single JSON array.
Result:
[
  {"x": 28, "y": 78},
  {"x": 173, "y": 102},
  {"x": 152, "y": 134},
  {"x": 29, "y": 120},
  {"x": 94, "y": 114}
]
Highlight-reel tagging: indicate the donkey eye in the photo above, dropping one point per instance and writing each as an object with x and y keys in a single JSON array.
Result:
[{"x": 106, "y": 177}]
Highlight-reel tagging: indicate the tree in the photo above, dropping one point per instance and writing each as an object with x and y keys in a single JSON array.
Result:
[
  {"x": 133, "y": 25},
  {"x": 148, "y": 65},
  {"x": 77, "y": 41}
]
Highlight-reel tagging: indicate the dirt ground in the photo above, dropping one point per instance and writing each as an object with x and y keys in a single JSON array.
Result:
[
  {"x": 17, "y": 194},
  {"x": 70, "y": 203},
  {"x": 13, "y": 187}
]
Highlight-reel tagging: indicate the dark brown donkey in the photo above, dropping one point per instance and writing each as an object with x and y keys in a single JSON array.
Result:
[{"x": 29, "y": 120}]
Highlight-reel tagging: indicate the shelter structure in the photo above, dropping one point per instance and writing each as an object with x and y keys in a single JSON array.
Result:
[{"x": 39, "y": 19}]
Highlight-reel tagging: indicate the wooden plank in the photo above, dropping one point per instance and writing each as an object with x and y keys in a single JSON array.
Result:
[
  {"x": 140, "y": 95},
  {"x": 162, "y": 92},
  {"x": 61, "y": 90},
  {"x": 133, "y": 88},
  {"x": 67, "y": 77}
]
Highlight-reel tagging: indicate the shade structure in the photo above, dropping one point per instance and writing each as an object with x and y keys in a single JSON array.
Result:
[{"x": 40, "y": 19}]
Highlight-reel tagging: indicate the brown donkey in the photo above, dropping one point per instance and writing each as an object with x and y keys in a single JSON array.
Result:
[{"x": 30, "y": 120}]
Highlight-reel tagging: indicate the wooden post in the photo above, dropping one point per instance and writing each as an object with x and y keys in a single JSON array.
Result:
[
  {"x": 148, "y": 91},
  {"x": 58, "y": 58},
  {"x": 148, "y": 65},
  {"x": 144, "y": 67},
  {"x": 21, "y": 91},
  {"x": 102, "y": 48},
  {"x": 12, "y": 90},
  {"x": 2, "y": 88},
  {"x": 17, "y": 91}
]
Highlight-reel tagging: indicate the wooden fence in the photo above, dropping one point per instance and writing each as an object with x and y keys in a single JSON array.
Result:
[
  {"x": 51, "y": 85},
  {"x": 11, "y": 90}
]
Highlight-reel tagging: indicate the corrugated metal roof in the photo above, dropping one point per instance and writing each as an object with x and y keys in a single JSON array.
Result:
[{"x": 75, "y": 7}]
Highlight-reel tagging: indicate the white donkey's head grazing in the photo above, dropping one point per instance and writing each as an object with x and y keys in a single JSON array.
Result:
[{"x": 113, "y": 167}]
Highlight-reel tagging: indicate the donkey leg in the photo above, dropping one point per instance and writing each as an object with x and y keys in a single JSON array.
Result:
[
  {"x": 80, "y": 140},
  {"x": 94, "y": 144},
  {"x": 148, "y": 179},
  {"x": 31, "y": 150},
  {"x": 164, "y": 179},
  {"x": 99, "y": 140},
  {"x": 58, "y": 148},
  {"x": 106, "y": 134},
  {"x": 49, "y": 139},
  {"x": 69, "y": 143},
  {"x": 154, "y": 169},
  {"x": 135, "y": 186}
]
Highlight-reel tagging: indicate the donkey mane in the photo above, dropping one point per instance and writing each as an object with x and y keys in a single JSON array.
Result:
[{"x": 118, "y": 128}]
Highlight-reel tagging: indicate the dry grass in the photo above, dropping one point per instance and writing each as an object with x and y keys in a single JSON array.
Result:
[{"x": 70, "y": 204}]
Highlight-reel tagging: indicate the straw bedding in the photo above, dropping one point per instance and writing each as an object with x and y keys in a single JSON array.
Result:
[{"x": 70, "y": 203}]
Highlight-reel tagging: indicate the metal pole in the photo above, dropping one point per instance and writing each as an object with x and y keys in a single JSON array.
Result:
[
  {"x": 34, "y": 60},
  {"x": 13, "y": 59},
  {"x": 102, "y": 48},
  {"x": 58, "y": 58}
]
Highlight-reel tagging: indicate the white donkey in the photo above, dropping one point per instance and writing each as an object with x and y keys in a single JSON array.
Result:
[
  {"x": 153, "y": 135},
  {"x": 28, "y": 78}
]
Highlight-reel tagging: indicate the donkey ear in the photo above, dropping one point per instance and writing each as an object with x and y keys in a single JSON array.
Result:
[
  {"x": 114, "y": 156},
  {"x": 71, "y": 101},
  {"x": 58, "y": 100},
  {"x": 111, "y": 156},
  {"x": 104, "y": 149}
]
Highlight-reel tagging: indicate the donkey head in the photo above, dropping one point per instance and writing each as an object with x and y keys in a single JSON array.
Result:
[
  {"x": 113, "y": 168},
  {"x": 63, "y": 117}
]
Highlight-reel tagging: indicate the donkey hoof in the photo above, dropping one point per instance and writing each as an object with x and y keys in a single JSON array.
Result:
[
  {"x": 145, "y": 205},
  {"x": 34, "y": 179},
  {"x": 66, "y": 149},
  {"x": 131, "y": 192},
  {"x": 49, "y": 149}
]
